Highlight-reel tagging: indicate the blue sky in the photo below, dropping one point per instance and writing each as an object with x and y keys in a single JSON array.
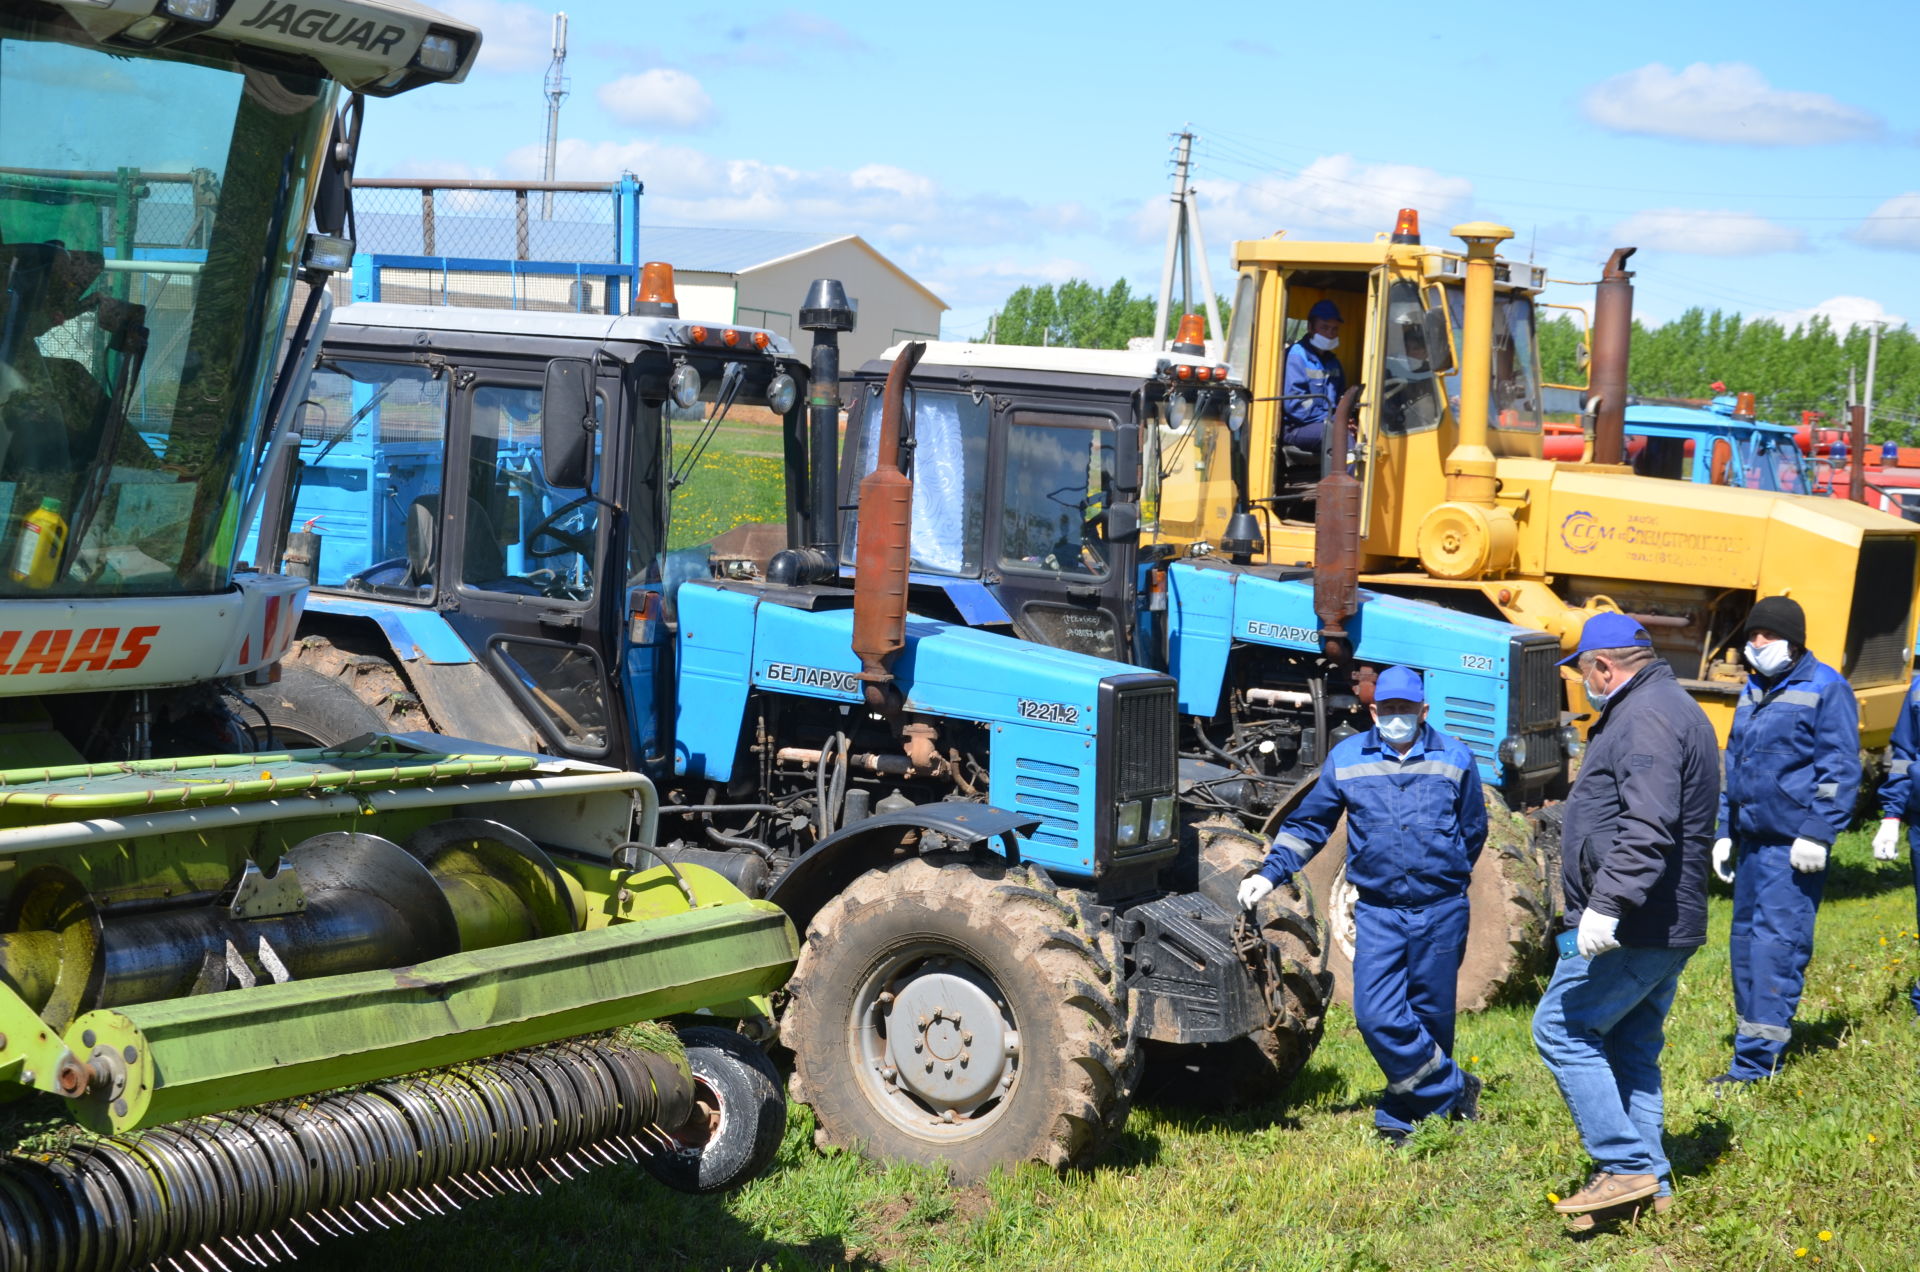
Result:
[{"x": 1762, "y": 156}]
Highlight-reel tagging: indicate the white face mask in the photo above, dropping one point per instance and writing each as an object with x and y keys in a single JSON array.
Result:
[
  {"x": 1597, "y": 697},
  {"x": 1769, "y": 659},
  {"x": 1326, "y": 344},
  {"x": 1398, "y": 728}
]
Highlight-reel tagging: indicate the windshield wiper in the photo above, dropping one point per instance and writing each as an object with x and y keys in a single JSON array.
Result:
[{"x": 730, "y": 381}]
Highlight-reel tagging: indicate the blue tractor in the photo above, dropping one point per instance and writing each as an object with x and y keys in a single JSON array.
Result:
[
  {"x": 540, "y": 530},
  {"x": 1095, "y": 501}
]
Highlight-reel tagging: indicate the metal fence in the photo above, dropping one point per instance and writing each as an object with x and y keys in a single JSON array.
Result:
[{"x": 567, "y": 246}]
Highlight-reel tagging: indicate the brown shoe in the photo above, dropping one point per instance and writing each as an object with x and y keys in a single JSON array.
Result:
[
  {"x": 1606, "y": 1190},
  {"x": 1629, "y": 1212}
]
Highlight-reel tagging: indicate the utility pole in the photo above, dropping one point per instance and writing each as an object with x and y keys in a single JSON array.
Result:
[
  {"x": 1185, "y": 246},
  {"x": 993, "y": 328},
  {"x": 1176, "y": 237},
  {"x": 556, "y": 93},
  {"x": 1873, "y": 358}
]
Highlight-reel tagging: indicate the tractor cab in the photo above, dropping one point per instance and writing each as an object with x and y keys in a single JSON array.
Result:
[{"x": 1044, "y": 478}]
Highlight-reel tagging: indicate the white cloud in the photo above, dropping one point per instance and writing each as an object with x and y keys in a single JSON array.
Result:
[
  {"x": 886, "y": 205},
  {"x": 1335, "y": 193},
  {"x": 1727, "y": 102},
  {"x": 1706, "y": 233},
  {"x": 513, "y": 37},
  {"x": 1843, "y": 312},
  {"x": 1894, "y": 224},
  {"x": 659, "y": 98}
]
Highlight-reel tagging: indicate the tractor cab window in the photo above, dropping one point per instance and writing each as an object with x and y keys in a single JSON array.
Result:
[
  {"x": 1773, "y": 465},
  {"x": 373, "y": 445},
  {"x": 1187, "y": 494},
  {"x": 1513, "y": 401},
  {"x": 949, "y": 474},
  {"x": 520, "y": 533},
  {"x": 1059, "y": 476},
  {"x": 723, "y": 469},
  {"x": 1410, "y": 396}
]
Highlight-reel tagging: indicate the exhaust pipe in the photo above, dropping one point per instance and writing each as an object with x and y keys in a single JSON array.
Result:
[
  {"x": 1612, "y": 342},
  {"x": 1336, "y": 537},
  {"x": 826, "y": 312},
  {"x": 886, "y": 525}
]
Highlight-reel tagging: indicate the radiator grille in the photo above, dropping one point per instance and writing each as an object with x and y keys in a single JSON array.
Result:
[
  {"x": 1536, "y": 694},
  {"x": 1877, "y": 637},
  {"x": 1143, "y": 748}
]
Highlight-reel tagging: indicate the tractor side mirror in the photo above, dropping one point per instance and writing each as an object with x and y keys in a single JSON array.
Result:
[
  {"x": 566, "y": 423},
  {"x": 1123, "y": 521},
  {"x": 1439, "y": 345}
]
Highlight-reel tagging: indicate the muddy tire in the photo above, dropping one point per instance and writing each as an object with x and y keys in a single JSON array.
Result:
[
  {"x": 327, "y": 695},
  {"x": 1255, "y": 1068},
  {"x": 738, "y": 1116},
  {"x": 1510, "y": 896},
  {"x": 960, "y": 1013}
]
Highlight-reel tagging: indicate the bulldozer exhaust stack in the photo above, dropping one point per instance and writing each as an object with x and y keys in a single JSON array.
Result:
[{"x": 885, "y": 544}]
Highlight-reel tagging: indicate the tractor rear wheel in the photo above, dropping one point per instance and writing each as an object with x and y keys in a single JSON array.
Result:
[
  {"x": 960, "y": 1012},
  {"x": 1511, "y": 910},
  {"x": 1254, "y": 1068},
  {"x": 306, "y": 708}
]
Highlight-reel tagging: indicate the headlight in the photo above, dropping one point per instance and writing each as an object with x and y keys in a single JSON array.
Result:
[
  {"x": 1160, "y": 820},
  {"x": 1514, "y": 751},
  {"x": 684, "y": 385},
  {"x": 781, "y": 393},
  {"x": 1127, "y": 825},
  {"x": 1237, "y": 412},
  {"x": 1570, "y": 738}
]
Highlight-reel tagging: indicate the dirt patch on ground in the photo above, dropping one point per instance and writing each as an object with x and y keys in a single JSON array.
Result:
[{"x": 903, "y": 1225}]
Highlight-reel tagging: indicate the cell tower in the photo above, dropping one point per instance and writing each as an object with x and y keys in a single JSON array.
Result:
[{"x": 556, "y": 93}]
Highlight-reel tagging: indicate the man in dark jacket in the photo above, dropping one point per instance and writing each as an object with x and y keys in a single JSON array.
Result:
[
  {"x": 1635, "y": 844},
  {"x": 1793, "y": 773}
]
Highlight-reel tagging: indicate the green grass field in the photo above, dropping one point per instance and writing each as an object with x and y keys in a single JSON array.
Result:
[{"x": 1820, "y": 1167}]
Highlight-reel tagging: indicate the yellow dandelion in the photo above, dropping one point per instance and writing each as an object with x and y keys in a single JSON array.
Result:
[
  {"x": 1473, "y": 1059},
  {"x": 1872, "y": 1138},
  {"x": 1553, "y": 1197},
  {"x": 1801, "y": 1253},
  {"x": 1825, "y": 1235},
  {"x": 1883, "y": 940}
]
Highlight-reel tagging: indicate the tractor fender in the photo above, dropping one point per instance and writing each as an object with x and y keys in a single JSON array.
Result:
[
  {"x": 824, "y": 870},
  {"x": 460, "y": 696}
]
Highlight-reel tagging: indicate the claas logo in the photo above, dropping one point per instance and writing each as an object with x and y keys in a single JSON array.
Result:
[{"x": 58, "y": 651}]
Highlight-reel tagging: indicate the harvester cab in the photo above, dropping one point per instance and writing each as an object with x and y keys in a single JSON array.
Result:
[
  {"x": 1457, "y": 503},
  {"x": 225, "y": 972}
]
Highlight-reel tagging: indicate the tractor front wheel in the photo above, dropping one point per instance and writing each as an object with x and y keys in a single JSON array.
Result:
[{"x": 960, "y": 1012}]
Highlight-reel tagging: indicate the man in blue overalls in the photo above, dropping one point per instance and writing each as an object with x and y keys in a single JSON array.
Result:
[
  {"x": 1314, "y": 380},
  {"x": 1416, "y": 822},
  {"x": 1793, "y": 770},
  {"x": 1900, "y": 799}
]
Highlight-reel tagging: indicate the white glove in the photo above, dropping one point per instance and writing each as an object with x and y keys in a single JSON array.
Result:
[
  {"x": 1596, "y": 933},
  {"x": 1807, "y": 856},
  {"x": 1886, "y": 840},
  {"x": 1253, "y": 890},
  {"x": 1723, "y": 859}
]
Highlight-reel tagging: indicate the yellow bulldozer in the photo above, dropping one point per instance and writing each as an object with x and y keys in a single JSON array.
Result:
[{"x": 1440, "y": 490}]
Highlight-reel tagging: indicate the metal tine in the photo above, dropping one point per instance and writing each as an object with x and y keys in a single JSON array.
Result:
[
  {"x": 399, "y": 1199},
  {"x": 259, "y": 1239},
  {"x": 282, "y": 1241},
  {"x": 214, "y": 1255},
  {"x": 353, "y": 1219},
  {"x": 474, "y": 1187},
  {"x": 241, "y": 1251},
  {"x": 526, "y": 1177},
  {"x": 446, "y": 1196},
  {"x": 381, "y": 1206},
  {"x": 297, "y": 1227},
  {"x": 511, "y": 1181}
]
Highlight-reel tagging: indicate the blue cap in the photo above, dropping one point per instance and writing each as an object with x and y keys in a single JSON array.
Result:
[
  {"x": 1324, "y": 309},
  {"x": 1401, "y": 683},
  {"x": 1609, "y": 630}
]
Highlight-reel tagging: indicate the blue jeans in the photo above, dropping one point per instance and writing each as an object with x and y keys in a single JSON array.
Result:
[
  {"x": 1600, "y": 1028},
  {"x": 1406, "y": 967}
]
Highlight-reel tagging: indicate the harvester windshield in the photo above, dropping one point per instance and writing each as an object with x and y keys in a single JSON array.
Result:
[{"x": 145, "y": 223}]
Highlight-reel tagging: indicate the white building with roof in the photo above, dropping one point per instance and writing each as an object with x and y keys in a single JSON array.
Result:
[{"x": 759, "y": 277}]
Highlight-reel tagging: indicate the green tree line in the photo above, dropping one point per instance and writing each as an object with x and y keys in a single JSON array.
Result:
[
  {"x": 1787, "y": 370},
  {"x": 1080, "y": 315}
]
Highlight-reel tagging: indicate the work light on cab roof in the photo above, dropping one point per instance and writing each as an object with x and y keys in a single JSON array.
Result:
[
  {"x": 655, "y": 295},
  {"x": 1406, "y": 228}
]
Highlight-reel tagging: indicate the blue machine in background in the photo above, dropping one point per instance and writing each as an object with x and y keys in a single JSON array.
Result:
[{"x": 522, "y": 530}]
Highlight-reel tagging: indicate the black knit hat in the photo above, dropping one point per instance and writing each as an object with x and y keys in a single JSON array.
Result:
[{"x": 1782, "y": 616}]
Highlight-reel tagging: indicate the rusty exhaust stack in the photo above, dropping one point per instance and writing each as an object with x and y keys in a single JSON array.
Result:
[
  {"x": 1612, "y": 344},
  {"x": 884, "y": 543},
  {"x": 1857, "y": 454},
  {"x": 1336, "y": 536}
]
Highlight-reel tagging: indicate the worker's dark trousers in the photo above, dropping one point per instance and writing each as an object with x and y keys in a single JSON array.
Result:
[
  {"x": 1406, "y": 961},
  {"x": 1771, "y": 942}
]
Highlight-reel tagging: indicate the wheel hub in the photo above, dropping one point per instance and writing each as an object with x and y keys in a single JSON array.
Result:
[{"x": 948, "y": 1044}]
